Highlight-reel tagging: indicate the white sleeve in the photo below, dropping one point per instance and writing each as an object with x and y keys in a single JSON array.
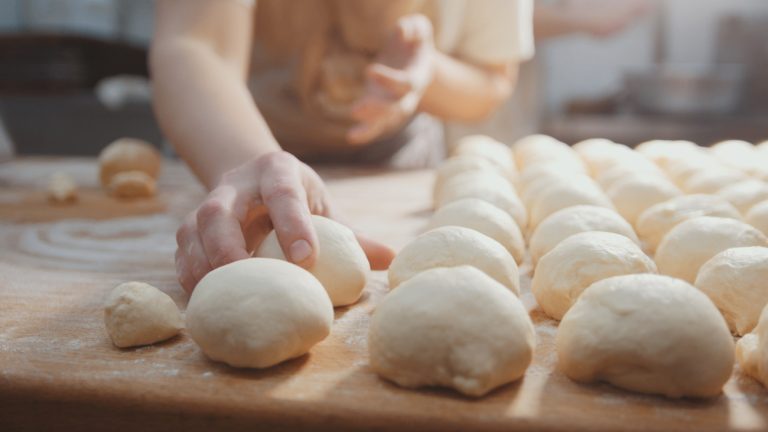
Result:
[{"x": 496, "y": 31}]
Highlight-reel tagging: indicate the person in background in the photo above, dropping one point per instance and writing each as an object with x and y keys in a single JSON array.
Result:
[
  {"x": 247, "y": 92},
  {"x": 520, "y": 115}
]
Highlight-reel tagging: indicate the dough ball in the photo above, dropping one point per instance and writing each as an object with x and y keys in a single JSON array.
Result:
[
  {"x": 592, "y": 146},
  {"x": 680, "y": 171},
  {"x": 663, "y": 152},
  {"x": 258, "y": 312},
  {"x": 623, "y": 172},
  {"x": 757, "y": 216},
  {"x": 752, "y": 351},
  {"x": 737, "y": 282},
  {"x": 646, "y": 333},
  {"x": 132, "y": 184},
  {"x": 563, "y": 195},
  {"x": 531, "y": 147},
  {"x": 573, "y": 220},
  {"x": 633, "y": 195},
  {"x": 128, "y": 154},
  {"x": 139, "y": 314},
  {"x": 745, "y": 194},
  {"x": 488, "y": 148},
  {"x": 451, "y": 327},
  {"x": 486, "y": 186},
  {"x": 484, "y": 218},
  {"x": 711, "y": 181},
  {"x": 62, "y": 189},
  {"x": 579, "y": 261},
  {"x": 656, "y": 221},
  {"x": 535, "y": 188},
  {"x": 534, "y": 174},
  {"x": 458, "y": 165},
  {"x": 691, "y": 243},
  {"x": 340, "y": 265},
  {"x": 452, "y": 246},
  {"x": 617, "y": 154}
]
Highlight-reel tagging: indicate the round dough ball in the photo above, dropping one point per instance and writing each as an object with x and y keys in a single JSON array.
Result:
[
  {"x": 486, "y": 186},
  {"x": 757, "y": 216},
  {"x": 563, "y": 195},
  {"x": 579, "y": 261},
  {"x": 533, "y": 146},
  {"x": 573, "y": 220},
  {"x": 711, "y": 181},
  {"x": 258, "y": 312},
  {"x": 484, "y": 218},
  {"x": 545, "y": 181},
  {"x": 646, "y": 333},
  {"x": 456, "y": 165},
  {"x": 662, "y": 152},
  {"x": 621, "y": 172},
  {"x": 340, "y": 264},
  {"x": 128, "y": 154},
  {"x": 534, "y": 174},
  {"x": 452, "y": 246},
  {"x": 737, "y": 282},
  {"x": 691, "y": 243},
  {"x": 132, "y": 184},
  {"x": 139, "y": 314},
  {"x": 451, "y": 327},
  {"x": 634, "y": 195},
  {"x": 752, "y": 351},
  {"x": 656, "y": 221},
  {"x": 488, "y": 148},
  {"x": 680, "y": 171},
  {"x": 745, "y": 194}
]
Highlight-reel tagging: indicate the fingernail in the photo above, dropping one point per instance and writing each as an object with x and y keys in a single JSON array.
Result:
[{"x": 300, "y": 251}]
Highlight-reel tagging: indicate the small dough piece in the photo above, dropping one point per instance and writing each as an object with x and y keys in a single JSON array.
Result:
[
  {"x": 633, "y": 195},
  {"x": 646, "y": 333},
  {"x": 460, "y": 164},
  {"x": 579, "y": 261},
  {"x": 757, "y": 216},
  {"x": 132, "y": 184},
  {"x": 341, "y": 265},
  {"x": 62, "y": 189},
  {"x": 743, "y": 195},
  {"x": 484, "y": 218},
  {"x": 563, "y": 195},
  {"x": 487, "y": 186},
  {"x": 128, "y": 154},
  {"x": 691, "y": 243},
  {"x": 573, "y": 220},
  {"x": 488, "y": 148},
  {"x": 452, "y": 246},
  {"x": 752, "y": 351},
  {"x": 451, "y": 327},
  {"x": 137, "y": 314},
  {"x": 258, "y": 312},
  {"x": 656, "y": 221},
  {"x": 736, "y": 280}
]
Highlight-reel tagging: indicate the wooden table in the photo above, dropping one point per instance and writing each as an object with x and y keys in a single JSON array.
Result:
[{"x": 59, "y": 369}]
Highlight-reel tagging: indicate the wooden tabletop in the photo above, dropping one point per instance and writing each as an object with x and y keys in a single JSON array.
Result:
[{"x": 59, "y": 369}]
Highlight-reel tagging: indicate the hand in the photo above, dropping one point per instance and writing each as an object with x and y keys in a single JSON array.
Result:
[
  {"x": 396, "y": 81},
  {"x": 603, "y": 18},
  {"x": 275, "y": 189}
]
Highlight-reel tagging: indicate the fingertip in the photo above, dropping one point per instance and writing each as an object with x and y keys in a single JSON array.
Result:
[
  {"x": 379, "y": 255},
  {"x": 300, "y": 252}
]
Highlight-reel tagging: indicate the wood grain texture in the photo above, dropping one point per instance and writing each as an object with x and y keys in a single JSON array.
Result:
[{"x": 59, "y": 369}]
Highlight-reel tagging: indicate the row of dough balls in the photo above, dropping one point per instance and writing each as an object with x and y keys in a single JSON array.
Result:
[
  {"x": 253, "y": 313},
  {"x": 453, "y": 318}
]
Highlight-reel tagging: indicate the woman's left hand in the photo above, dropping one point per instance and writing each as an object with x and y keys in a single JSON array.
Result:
[{"x": 396, "y": 81}]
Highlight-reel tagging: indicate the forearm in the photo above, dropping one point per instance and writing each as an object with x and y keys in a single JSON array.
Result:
[
  {"x": 206, "y": 110},
  {"x": 480, "y": 90},
  {"x": 552, "y": 21}
]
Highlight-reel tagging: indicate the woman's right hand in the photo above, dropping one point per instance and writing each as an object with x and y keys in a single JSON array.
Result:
[{"x": 275, "y": 190}]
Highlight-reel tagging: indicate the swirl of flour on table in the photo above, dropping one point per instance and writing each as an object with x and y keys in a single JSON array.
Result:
[{"x": 127, "y": 244}]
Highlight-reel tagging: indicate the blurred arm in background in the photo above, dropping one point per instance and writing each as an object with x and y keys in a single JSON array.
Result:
[{"x": 599, "y": 18}]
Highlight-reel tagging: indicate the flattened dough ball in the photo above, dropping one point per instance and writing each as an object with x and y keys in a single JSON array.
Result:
[
  {"x": 452, "y": 246},
  {"x": 137, "y": 314},
  {"x": 633, "y": 195},
  {"x": 579, "y": 261},
  {"x": 484, "y": 218},
  {"x": 451, "y": 327},
  {"x": 258, "y": 312},
  {"x": 656, "y": 221},
  {"x": 340, "y": 265},
  {"x": 572, "y": 220},
  {"x": 752, "y": 351},
  {"x": 646, "y": 333},
  {"x": 757, "y": 216},
  {"x": 736, "y": 280},
  {"x": 690, "y": 244}
]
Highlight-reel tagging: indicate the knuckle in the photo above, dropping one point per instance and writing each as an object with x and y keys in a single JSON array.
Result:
[
  {"x": 208, "y": 210},
  {"x": 279, "y": 191}
]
